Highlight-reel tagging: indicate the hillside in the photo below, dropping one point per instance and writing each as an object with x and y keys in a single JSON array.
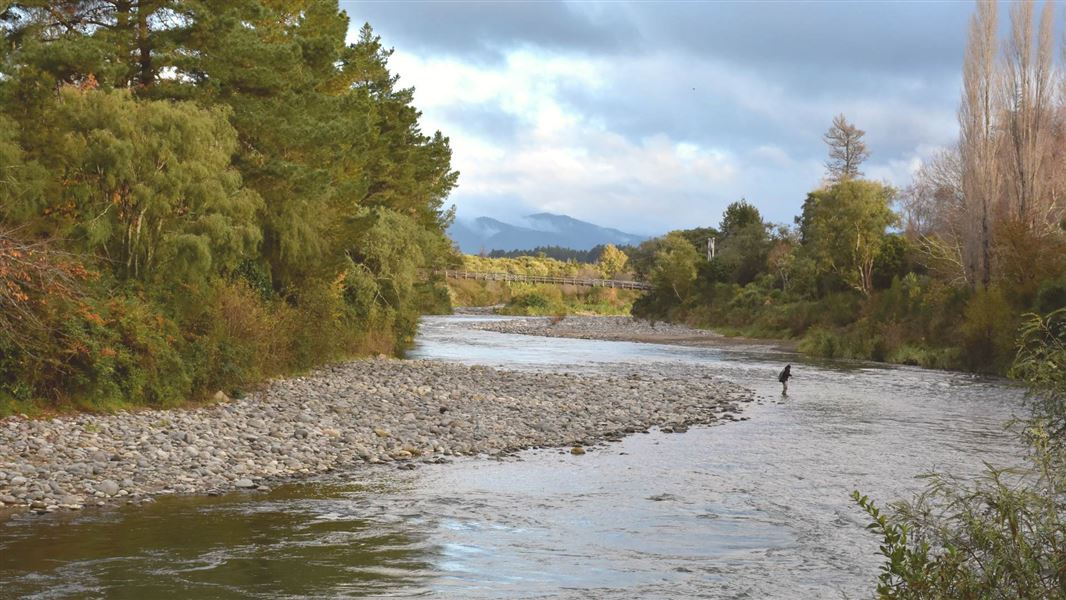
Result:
[{"x": 542, "y": 229}]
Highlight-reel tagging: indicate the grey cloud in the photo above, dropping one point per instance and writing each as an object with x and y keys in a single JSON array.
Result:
[
  {"x": 691, "y": 105},
  {"x": 863, "y": 36},
  {"x": 483, "y": 31}
]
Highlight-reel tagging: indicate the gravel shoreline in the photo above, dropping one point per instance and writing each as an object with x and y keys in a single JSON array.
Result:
[
  {"x": 365, "y": 411},
  {"x": 593, "y": 328},
  {"x": 625, "y": 329}
]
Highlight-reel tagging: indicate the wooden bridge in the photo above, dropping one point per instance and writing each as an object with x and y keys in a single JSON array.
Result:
[{"x": 549, "y": 279}]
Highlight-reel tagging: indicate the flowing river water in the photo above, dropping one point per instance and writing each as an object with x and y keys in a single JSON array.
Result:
[{"x": 758, "y": 508}]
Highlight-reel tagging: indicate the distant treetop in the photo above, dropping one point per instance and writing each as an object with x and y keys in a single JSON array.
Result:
[{"x": 846, "y": 150}]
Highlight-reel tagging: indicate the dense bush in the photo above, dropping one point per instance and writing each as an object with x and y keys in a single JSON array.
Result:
[
  {"x": 528, "y": 265},
  {"x": 166, "y": 236},
  {"x": 551, "y": 300}
]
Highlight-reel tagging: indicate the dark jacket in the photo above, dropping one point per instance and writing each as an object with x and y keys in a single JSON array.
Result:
[{"x": 785, "y": 374}]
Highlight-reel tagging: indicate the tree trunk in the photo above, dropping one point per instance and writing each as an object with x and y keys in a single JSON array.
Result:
[{"x": 145, "y": 75}]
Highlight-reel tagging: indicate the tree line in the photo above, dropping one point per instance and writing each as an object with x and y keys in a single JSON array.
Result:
[
  {"x": 196, "y": 195},
  {"x": 938, "y": 273},
  {"x": 590, "y": 256}
]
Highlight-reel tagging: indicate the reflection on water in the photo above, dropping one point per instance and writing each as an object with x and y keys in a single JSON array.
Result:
[
  {"x": 296, "y": 541},
  {"x": 752, "y": 509}
]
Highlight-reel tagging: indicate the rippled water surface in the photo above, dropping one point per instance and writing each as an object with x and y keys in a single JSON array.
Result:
[{"x": 754, "y": 509}]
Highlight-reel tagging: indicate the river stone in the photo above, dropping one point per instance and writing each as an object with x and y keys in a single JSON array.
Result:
[
  {"x": 107, "y": 487},
  {"x": 244, "y": 483}
]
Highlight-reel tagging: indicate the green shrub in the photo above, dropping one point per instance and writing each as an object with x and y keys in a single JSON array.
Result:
[
  {"x": 822, "y": 342},
  {"x": 433, "y": 298},
  {"x": 534, "y": 300},
  {"x": 1051, "y": 296},
  {"x": 119, "y": 351},
  {"x": 987, "y": 332},
  {"x": 929, "y": 358}
]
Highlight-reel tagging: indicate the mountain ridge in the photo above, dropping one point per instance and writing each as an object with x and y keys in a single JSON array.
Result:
[{"x": 485, "y": 234}]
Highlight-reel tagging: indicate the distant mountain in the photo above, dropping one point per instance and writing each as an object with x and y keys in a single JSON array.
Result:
[{"x": 542, "y": 229}]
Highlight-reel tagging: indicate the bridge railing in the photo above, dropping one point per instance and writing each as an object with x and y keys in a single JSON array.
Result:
[{"x": 549, "y": 279}]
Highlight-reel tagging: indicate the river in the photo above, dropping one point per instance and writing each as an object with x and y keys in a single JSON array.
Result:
[{"x": 752, "y": 509}]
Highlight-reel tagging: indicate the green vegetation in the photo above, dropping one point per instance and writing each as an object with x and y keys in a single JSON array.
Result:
[
  {"x": 553, "y": 300},
  {"x": 196, "y": 196},
  {"x": 612, "y": 262},
  {"x": 545, "y": 299},
  {"x": 528, "y": 265},
  {"x": 557, "y": 252}
]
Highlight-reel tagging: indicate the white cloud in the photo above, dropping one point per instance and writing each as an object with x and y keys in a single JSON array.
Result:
[{"x": 567, "y": 156}]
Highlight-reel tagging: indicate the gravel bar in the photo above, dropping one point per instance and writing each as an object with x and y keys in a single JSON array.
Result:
[
  {"x": 594, "y": 328},
  {"x": 626, "y": 329},
  {"x": 375, "y": 411}
]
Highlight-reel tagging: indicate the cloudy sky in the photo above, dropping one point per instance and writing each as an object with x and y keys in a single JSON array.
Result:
[{"x": 652, "y": 116}]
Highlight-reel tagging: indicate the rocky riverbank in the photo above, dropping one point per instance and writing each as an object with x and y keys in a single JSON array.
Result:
[
  {"x": 625, "y": 329},
  {"x": 593, "y": 328},
  {"x": 369, "y": 411}
]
